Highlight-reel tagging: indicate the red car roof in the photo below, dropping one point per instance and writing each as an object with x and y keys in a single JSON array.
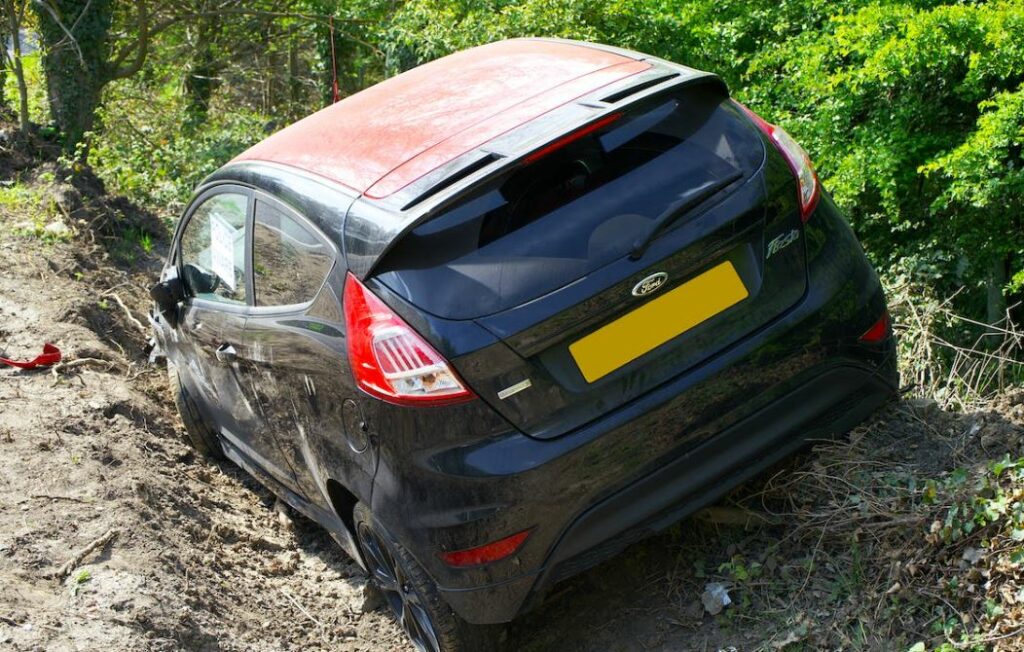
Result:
[{"x": 387, "y": 136}]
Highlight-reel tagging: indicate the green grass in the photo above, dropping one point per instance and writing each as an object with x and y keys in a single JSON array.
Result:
[
  {"x": 31, "y": 208},
  {"x": 18, "y": 197}
]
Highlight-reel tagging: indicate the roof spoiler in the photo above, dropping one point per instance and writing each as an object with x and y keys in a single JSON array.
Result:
[{"x": 372, "y": 227}]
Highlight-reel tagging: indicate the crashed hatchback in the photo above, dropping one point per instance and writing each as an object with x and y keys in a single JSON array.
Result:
[{"x": 494, "y": 319}]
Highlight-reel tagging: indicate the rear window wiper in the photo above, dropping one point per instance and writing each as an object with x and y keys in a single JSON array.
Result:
[{"x": 681, "y": 208}]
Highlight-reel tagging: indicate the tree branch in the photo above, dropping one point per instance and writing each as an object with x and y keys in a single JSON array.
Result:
[
  {"x": 140, "y": 47},
  {"x": 261, "y": 13},
  {"x": 67, "y": 32},
  {"x": 117, "y": 69}
]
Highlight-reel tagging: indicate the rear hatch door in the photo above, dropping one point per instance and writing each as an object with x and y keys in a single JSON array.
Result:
[{"x": 614, "y": 262}]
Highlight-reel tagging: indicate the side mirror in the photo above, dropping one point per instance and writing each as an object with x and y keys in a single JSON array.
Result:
[
  {"x": 167, "y": 295},
  {"x": 199, "y": 281}
]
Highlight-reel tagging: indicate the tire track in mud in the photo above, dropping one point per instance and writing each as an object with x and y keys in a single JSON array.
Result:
[{"x": 200, "y": 559}]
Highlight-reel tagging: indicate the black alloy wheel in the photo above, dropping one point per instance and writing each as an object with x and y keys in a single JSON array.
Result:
[{"x": 399, "y": 592}]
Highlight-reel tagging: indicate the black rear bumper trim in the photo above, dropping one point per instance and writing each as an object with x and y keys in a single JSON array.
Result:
[{"x": 827, "y": 405}]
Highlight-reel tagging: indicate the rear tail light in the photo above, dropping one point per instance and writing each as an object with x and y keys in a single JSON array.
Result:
[
  {"x": 880, "y": 330},
  {"x": 487, "y": 553},
  {"x": 798, "y": 160},
  {"x": 390, "y": 360}
]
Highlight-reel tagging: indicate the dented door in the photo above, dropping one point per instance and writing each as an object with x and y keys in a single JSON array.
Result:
[{"x": 296, "y": 371}]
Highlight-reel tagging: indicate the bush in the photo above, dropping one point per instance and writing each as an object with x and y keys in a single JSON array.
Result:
[
  {"x": 914, "y": 114},
  {"x": 913, "y": 111},
  {"x": 150, "y": 153}
]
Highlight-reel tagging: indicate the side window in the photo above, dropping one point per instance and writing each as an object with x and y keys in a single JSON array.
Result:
[
  {"x": 213, "y": 249},
  {"x": 289, "y": 263}
]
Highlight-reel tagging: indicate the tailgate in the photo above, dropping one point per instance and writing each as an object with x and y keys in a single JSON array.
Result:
[{"x": 546, "y": 258}]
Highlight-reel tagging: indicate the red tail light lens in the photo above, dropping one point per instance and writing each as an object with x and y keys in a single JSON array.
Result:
[
  {"x": 798, "y": 160},
  {"x": 390, "y": 360},
  {"x": 880, "y": 330},
  {"x": 486, "y": 553}
]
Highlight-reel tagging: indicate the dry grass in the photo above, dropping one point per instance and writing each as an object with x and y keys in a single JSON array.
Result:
[
  {"x": 958, "y": 376},
  {"x": 909, "y": 533}
]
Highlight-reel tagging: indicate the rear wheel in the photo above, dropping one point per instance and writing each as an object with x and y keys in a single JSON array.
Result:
[
  {"x": 197, "y": 434},
  {"x": 412, "y": 596}
]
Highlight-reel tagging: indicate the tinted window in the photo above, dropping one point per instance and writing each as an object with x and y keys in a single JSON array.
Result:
[
  {"x": 289, "y": 262},
  {"x": 213, "y": 249},
  {"x": 554, "y": 220}
]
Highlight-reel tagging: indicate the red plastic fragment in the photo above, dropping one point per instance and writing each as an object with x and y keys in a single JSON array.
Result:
[{"x": 49, "y": 356}]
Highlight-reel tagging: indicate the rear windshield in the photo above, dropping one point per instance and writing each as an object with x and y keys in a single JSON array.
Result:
[{"x": 547, "y": 223}]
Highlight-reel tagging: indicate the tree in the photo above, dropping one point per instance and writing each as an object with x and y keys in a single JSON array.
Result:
[
  {"x": 80, "y": 59},
  {"x": 76, "y": 39},
  {"x": 201, "y": 77},
  {"x": 14, "y": 15}
]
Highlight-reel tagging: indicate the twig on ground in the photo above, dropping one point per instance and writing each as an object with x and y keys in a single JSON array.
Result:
[
  {"x": 68, "y": 498},
  {"x": 301, "y": 608},
  {"x": 77, "y": 558},
  {"x": 135, "y": 322},
  {"x": 71, "y": 364}
]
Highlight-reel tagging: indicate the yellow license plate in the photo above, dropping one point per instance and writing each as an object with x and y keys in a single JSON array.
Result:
[{"x": 656, "y": 322}]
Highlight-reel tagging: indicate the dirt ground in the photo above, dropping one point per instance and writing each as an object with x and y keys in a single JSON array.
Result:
[{"x": 193, "y": 556}]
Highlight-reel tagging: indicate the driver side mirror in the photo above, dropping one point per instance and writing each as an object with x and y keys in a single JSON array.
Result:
[
  {"x": 167, "y": 295},
  {"x": 199, "y": 281}
]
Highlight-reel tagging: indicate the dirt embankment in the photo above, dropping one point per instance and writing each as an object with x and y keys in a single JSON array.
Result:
[
  {"x": 183, "y": 555},
  {"x": 191, "y": 556}
]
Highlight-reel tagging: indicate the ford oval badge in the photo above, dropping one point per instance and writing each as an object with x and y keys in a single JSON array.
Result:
[{"x": 650, "y": 284}]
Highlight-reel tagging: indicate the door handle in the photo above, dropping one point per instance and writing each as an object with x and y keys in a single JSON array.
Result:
[{"x": 226, "y": 353}]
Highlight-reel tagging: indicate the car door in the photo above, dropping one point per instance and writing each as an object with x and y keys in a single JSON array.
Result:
[
  {"x": 214, "y": 263},
  {"x": 299, "y": 360}
]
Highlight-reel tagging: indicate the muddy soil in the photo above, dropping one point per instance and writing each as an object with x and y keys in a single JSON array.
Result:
[{"x": 192, "y": 556}]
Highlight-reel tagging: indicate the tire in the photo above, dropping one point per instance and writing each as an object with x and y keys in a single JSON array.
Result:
[
  {"x": 198, "y": 435},
  {"x": 428, "y": 621}
]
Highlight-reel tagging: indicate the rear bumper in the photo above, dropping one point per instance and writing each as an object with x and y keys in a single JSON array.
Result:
[{"x": 821, "y": 406}]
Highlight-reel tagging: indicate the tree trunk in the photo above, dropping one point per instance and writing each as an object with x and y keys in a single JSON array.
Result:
[
  {"x": 76, "y": 66},
  {"x": 14, "y": 27},
  {"x": 202, "y": 77},
  {"x": 294, "y": 73},
  {"x": 996, "y": 303},
  {"x": 4, "y": 59},
  {"x": 199, "y": 85}
]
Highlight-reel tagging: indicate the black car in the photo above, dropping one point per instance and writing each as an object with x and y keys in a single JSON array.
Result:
[{"x": 494, "y": 319}]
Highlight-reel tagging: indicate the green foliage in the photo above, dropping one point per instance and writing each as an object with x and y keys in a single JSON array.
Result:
[
  {"x": 79, "y": 580},
  {"x": 360, "y": 62},
  {"x": 979, "y": 500},
  {"x": 145, "y": 154},
  {"x": 740, "y": 570},
  {"x": 913, "y": 113},
  {"x": 979, "y": 528},
  {"x": 126, "y": 249},
  {"x": 18, "y": 198},
  {"x": 38, "y": 201},
  {"x": 985, "y": 175},
  {"x": 426, "y": 29}
]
